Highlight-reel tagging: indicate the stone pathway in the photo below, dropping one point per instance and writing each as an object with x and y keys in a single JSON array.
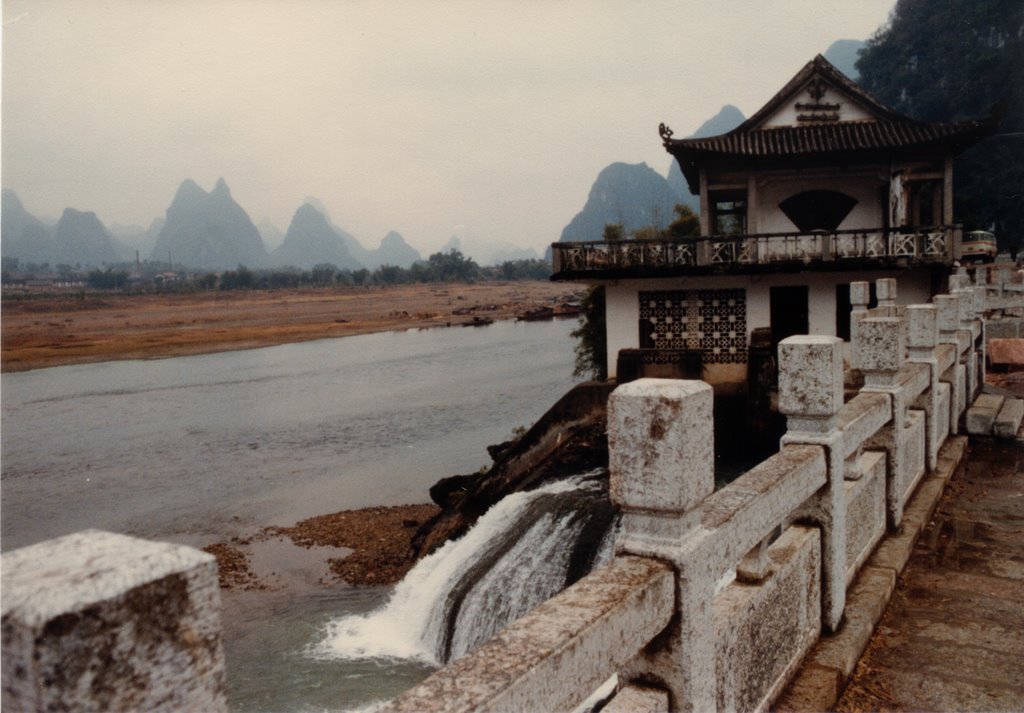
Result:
[{"x": 952, "y": 637}]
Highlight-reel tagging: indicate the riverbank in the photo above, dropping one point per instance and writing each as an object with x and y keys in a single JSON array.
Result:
[{"x": 76, "y": 328}]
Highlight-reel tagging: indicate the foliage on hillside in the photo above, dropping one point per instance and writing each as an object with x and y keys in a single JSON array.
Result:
[{"x": 955, "y": 60}]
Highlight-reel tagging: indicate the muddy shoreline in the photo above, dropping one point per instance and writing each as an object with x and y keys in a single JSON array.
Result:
[
  {"x": 39, "y": 331},
  {"x": 364, "y": 547}
]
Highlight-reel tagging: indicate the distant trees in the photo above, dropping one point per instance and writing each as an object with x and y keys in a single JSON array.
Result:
[
  {"x": 450, "y": 266},
  {"x": 955, "y": 60},
  {"x": 591, "y": 337},
  {"x": 685, "y": 224},
  {"x": 107, "y": 279}
]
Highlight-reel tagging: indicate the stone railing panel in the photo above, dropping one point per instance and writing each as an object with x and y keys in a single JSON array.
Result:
[
  {"x": 555, "y": 656},
  {"x": 742, "y": 513},
  {"x": 865, "y": 510},
  {"x": 764, "y": 631},
  {"x": 97, "y": 621}
]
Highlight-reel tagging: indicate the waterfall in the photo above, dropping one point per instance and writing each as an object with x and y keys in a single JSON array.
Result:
[{"x": 524, "y": 550}]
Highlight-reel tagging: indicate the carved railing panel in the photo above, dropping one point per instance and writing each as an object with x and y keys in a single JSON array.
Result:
[{"x": 927, "y": 244}]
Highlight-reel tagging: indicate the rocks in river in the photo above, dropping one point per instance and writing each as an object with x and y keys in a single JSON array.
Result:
[{"x": 568, "y": 439}]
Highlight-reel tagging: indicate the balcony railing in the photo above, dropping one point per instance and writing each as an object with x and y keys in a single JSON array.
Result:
[{"x": 927, "y": 244}]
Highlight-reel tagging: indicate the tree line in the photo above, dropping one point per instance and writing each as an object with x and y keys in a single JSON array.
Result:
[
  {"x": 956, "y": 60},
  {"x": 450, "y": 266}
]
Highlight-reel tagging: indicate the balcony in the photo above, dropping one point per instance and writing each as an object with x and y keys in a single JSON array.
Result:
[{"x": 875, "y": 248}]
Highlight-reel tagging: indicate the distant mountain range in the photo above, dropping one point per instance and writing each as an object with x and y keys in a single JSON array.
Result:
[
  {"x": 201, "y": 231},
  {"x": 210, "y": 231},
  {"x": 79, "y": 238}
]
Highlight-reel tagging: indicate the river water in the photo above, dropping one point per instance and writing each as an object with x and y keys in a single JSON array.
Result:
[{"x": 199, "y": 449}]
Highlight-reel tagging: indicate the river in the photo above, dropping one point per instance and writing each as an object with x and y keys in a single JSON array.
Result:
[{"x": 198, "y": 449}]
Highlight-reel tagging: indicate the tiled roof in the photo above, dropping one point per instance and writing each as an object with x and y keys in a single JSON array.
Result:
[
  {"x": 887, "y": 130},
  {"x": 830, "y": 138}
]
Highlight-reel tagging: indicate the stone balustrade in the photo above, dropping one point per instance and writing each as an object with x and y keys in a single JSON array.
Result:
[
  {"x": 712, "y": 599},
  {"x": 761, "y": 566}
]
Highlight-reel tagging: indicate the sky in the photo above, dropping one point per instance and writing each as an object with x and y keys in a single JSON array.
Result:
[{"x": 482, "y": 119}]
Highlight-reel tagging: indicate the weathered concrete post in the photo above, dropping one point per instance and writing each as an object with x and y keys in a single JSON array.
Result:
[
  {"x": 860, "y": 298},
  {"x": 97, "y": 621},
  {"x": 661, "y": 454},
  {"x": 883, "y": 353},
  {"x": 885, "y": 290},
  {"x": 969, "y": 330},
  {"x": 948, "y": 319},
  {"x": 810, "y": 395},
  {"x": 922, "y": 337}
]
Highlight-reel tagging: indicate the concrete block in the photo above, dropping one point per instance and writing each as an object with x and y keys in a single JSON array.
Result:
[
  {"x": 860, "y": 293},
  {"x": 842, "y": 650},
  {"x": 922, "y": 326},
  {"x": 98, "y": 621},
  {"x": 870, "y": 594},
  {"x": 894, "y": 551},
  {"x": 815, "y": 688},
  {"x": 1009, "y": 418},
  {"x": 1006, "y": 352},
  {"x": 1007, "y": 328},
  {"x": 981, "y": 416},
  {"x": 948, "y": 315},
  {"x": 638, "y": 699},
  {"x": 885, "y": 290},
  {"x": 882, "y": 345},
  {"x": 661, "y": 444},
  {"x": 810, "y": 376}
]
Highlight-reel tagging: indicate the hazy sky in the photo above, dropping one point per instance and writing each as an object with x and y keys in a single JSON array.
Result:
[{"x": 430, "y": 118}]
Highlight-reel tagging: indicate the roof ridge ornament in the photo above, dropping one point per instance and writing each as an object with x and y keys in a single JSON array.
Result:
[
  {"x": 665, "y": 132},
  {"x": 819, "y": 111},
  {"x": 817, "y": 88}
]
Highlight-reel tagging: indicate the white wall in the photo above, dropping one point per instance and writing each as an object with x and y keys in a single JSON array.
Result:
[
  {"x": 786, "y": 115},
  {"x": 623, "y": 299},
  {"x": 773, "y": 189}
]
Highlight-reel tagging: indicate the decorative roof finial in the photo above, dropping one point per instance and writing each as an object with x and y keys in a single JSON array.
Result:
[
  {"x": 817, "y": 88},
  {"x": 666, "y": 133}
]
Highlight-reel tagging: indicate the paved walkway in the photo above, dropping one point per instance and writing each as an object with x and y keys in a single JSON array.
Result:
[{"x": 952, "y": 637}]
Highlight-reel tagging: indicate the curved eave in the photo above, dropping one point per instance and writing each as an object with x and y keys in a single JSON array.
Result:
[{"x": 848, "y": 141}]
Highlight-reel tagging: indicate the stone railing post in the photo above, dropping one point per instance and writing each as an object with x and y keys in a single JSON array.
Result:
[
  {"x": 948, "y": 319},
  {"x": 810, "y": 395},
  {"x": 969, "y": 331},
  {"x": 97, "y": 621},
  {"x": 885, "y": 291},
  {"x": 860, "y": 298},
  {"x": 661, "y": 461},
  {"x": 883, "y": 353},
  {"x": 922, "y": 338}
]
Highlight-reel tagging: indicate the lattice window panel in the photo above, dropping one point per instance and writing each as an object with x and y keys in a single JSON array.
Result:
[{"x": 712, "y": 321}]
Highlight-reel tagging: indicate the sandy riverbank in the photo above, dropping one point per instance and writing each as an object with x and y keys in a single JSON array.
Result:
[
  {"x": 365, "y": 547},
  {"x": 55, "y": 330}
]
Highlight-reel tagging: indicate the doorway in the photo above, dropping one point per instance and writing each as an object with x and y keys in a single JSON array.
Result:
[{"x": 789, "y": 311}]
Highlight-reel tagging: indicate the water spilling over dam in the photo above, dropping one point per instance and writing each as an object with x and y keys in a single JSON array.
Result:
[{"x": 525, "y": 549}]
